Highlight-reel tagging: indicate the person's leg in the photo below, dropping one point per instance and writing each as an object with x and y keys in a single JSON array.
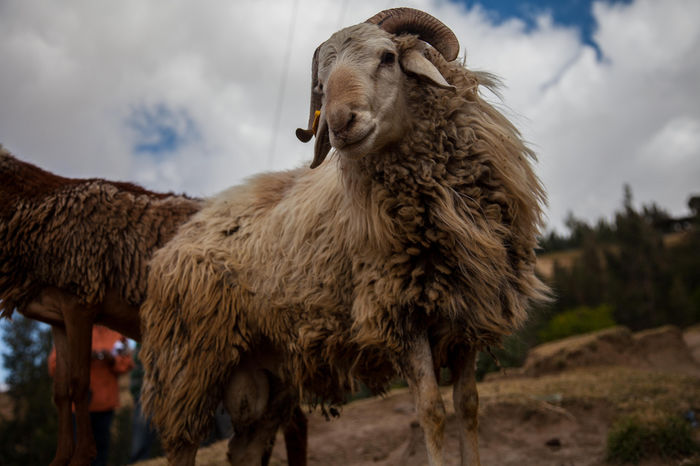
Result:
[
  {"x": 142, "y": 435},
  {"x": 101, "y": 428}
]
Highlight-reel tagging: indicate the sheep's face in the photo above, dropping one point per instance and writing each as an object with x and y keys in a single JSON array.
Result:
[{"x": 361, "y": 78}]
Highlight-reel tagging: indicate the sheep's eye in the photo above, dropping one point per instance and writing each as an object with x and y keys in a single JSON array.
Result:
[
  {"x": 319, "y": 88},
  {"x": 388, "y": 58}
]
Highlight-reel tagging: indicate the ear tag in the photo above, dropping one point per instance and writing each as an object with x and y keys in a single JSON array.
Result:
[{"x": 314, "y": 126}]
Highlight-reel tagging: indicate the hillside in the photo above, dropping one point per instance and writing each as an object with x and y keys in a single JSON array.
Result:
[
  {"x": 566, "y": 258},
  {"x": 557, "y": 410}
]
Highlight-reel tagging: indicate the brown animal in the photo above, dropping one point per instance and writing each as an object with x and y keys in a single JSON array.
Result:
[
  {"x": 74, "y": 253},
  {"x": 411, "y": 250}
]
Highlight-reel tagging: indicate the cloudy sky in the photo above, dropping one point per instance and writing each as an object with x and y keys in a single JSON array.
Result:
[{"x": 196, "y": 96}]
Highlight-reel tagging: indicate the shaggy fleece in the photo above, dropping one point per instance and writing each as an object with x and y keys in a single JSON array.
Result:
[
  {"x": 336, "y": 269},
  {"x": 84, "y": 236}
]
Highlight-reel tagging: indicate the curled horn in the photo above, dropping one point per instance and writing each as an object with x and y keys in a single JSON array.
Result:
[
  {"x": 305, "y": 135},
  {"x": 427, "y": 27},
  {"x": 393, "y": 21}
]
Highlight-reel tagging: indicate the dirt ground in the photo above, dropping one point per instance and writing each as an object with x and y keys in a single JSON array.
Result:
[{"x": 555, "y": 411}]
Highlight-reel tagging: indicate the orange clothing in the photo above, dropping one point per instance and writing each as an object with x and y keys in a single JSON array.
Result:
[{"x": 104, "y": 388}]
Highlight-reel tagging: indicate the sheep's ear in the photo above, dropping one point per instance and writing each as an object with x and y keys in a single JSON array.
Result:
[
  {"x": 412, "y": 61},
  {"x": 323, "y": 143}
]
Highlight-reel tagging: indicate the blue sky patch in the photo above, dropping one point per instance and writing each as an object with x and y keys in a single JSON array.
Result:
[
  {"x": 160, "y": 129},
  {"x": 569, "y": 13}
]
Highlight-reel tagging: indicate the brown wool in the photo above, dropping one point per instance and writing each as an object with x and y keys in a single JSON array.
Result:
[{"x": 80, "y": 236}]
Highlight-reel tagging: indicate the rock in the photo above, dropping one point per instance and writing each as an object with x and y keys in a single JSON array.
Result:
[{"x": 663, "y": 349}]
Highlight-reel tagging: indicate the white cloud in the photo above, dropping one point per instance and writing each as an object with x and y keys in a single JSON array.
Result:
[
  {"x": 678, "y": 142},
  {"x": 74, "y": 73},
  {"x": 593, "y": 124}
]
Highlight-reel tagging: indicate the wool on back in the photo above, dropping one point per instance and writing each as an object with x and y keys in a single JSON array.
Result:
[{"x": 83, "y": 236}]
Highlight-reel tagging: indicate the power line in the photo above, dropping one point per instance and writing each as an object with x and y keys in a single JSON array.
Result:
[
  {"x": 341, "y": 17},
  {"x": 283, "y": 82}
]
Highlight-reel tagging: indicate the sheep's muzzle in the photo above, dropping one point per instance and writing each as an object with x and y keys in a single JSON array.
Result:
[{"x": 347, "y": 112}]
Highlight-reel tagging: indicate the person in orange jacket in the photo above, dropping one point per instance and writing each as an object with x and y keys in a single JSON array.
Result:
[{"x": 110, "y": 358}]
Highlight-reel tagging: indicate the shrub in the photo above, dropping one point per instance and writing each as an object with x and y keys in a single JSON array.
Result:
[
  {"x": 576, "y": 321},
  {"x": 632, "y": 439}
]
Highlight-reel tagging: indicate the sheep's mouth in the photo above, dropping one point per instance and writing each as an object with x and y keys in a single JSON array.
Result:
[{"x": 358, "y": 143}]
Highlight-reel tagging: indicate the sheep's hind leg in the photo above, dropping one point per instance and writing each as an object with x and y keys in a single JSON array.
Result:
[
  {"x": 295, "y": 437},
  {"x": 259, "y": 403},
  {"x": 417, "y": 367},
  {"x": 246, "y": 399},
  {"x": 73, "y": 351},
  {"x": 466, "y": 403},
  {"x": 61, "y": 398},
  {"x": 79, "y": 332}
]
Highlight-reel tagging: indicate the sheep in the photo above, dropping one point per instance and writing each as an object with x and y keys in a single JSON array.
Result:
[
  {"x": 72, "y": 253},
  {"x": 411, "y": 249}
]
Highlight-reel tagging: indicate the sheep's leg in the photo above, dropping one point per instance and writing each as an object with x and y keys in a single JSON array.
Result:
[
  {"x": 252, "y": 444},
  {"x": 417, "y": 367},
  {"x": 61, "y": 397},
  {"x": 295, "y": 438},
  {"x": 78, "y": 321},
  {"x": 73, "y": 364},
  {"x": 466, "y": 403},
  {"x": 247, "y": 400}
]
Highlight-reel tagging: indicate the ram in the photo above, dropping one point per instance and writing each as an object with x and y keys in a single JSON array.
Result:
[{"x": 411, "y": 248}]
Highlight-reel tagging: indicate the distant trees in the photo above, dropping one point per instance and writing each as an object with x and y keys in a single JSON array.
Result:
[
  {"x": 28, "y": 434},
  {"x": 627, "y": 265},
  {"x": 638, "y": 269}
]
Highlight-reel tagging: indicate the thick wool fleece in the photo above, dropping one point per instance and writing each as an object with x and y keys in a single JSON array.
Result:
[
  {"x": 82, "y": 236},
  {"x": 337, "y": 269}
]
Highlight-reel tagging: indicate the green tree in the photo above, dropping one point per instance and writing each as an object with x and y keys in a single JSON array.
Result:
[
  {"x": 685, "y": 257},
  {"x": 694, "y": 206},
  {"x": 578, "y": 230},
  {"x": 639, "y": 270},
  {"x": 28, "y": 435},
  {"x": 589, "y": 275},
  {"x": 583, "y": 283}
]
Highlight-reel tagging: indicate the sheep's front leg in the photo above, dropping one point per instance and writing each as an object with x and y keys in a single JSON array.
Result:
[
  {"x": 466, "y": 403},
  {"x": 61, "y": 398},
  {"x": 417, "y": 367}
]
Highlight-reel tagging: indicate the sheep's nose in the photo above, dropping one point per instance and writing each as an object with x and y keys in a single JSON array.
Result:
[{"x": 340, "y": 120}]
